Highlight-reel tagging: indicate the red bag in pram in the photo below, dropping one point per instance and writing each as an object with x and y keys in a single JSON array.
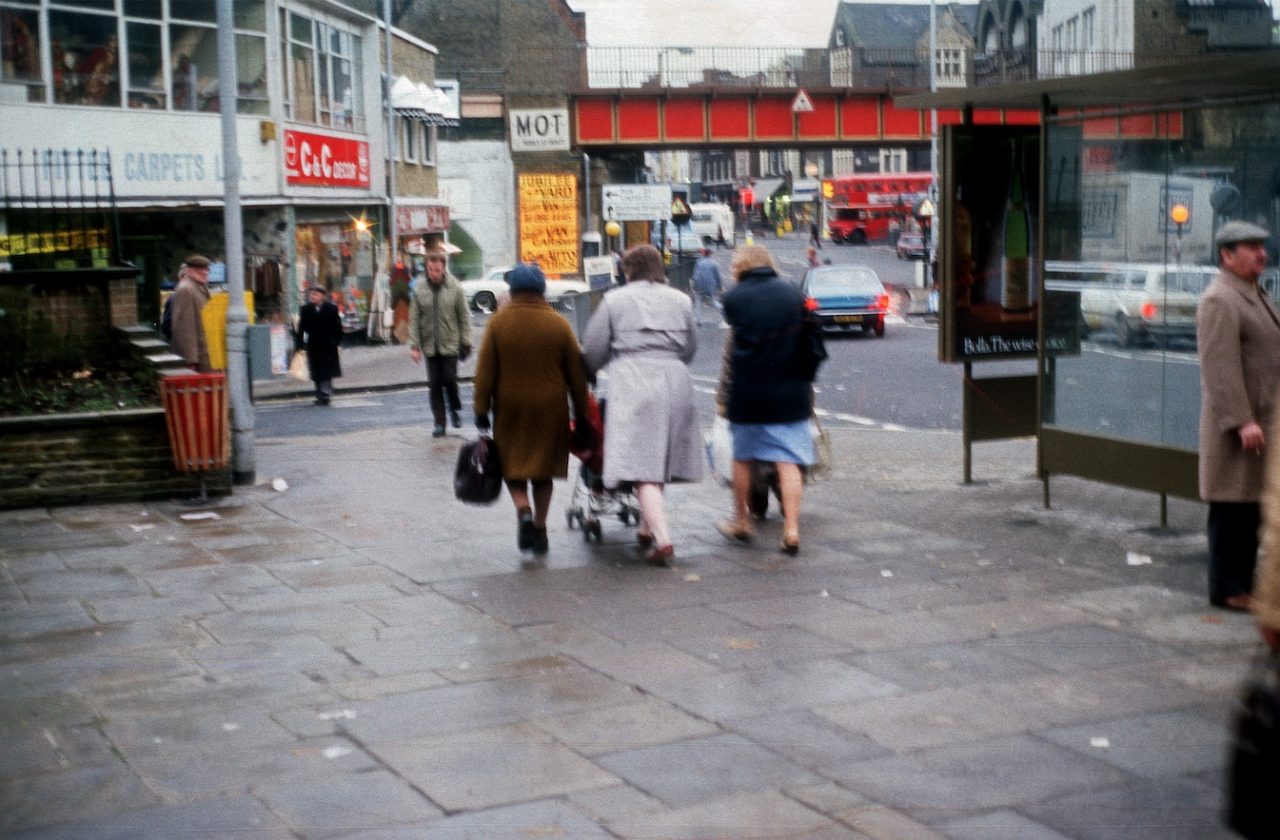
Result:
[{"x": 588, "y": 446}]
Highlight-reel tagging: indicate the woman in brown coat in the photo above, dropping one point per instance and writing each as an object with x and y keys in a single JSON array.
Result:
[{"x": 529, "y": 360}]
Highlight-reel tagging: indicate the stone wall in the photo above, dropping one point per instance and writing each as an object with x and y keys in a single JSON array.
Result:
[{"x": 97, "y": 457}]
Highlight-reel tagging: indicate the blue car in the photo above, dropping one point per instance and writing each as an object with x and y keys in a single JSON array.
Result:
[{"x": 848, "y": 297}]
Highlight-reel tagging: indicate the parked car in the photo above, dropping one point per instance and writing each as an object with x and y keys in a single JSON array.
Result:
[
  {"x": 1142, "y": 301},
  {"x": 912, "y": 246},
  {"x": 483, "y": 292},
  {"x": 848, "y": 297}
]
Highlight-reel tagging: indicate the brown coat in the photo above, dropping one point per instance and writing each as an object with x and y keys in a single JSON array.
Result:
[
  {"x": 529, "y": 360},
  {"x": 1266, "y": 587},
  {"x": 1238, "y": 331},
  {"x": 188, "y": 325}
]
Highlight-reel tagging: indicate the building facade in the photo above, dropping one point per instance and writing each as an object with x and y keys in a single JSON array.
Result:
[{"x": 137, "y": 82}]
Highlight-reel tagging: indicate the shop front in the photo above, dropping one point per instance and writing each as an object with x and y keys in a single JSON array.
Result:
[{"x": 335, "y": 248}]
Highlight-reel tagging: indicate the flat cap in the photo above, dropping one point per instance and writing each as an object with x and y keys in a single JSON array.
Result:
[
  {"x": 1233, "y": 232},
  {"x": 196, "y": 261}
]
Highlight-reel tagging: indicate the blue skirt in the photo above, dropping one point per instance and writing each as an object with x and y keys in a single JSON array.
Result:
[{"x": 786, "y": 442}]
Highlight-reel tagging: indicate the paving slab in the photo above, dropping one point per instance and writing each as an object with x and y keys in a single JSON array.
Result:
[
  {"x": 1150, "y": 810},
  {"x": 748, "y": 816},
  {"x": 1155, "y": 746}
]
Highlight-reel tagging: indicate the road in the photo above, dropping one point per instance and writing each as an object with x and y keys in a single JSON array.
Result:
[{"x": 894, "y": 382}]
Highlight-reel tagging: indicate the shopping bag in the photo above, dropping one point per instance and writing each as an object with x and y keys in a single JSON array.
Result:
[
  {"x": 1254, "y": 759},
  {"x": 719, "y": 447},
  {"x": 821, "y": 467},
  {"x": 477, "y": 478},
  {"x": 298, "y": 368}
]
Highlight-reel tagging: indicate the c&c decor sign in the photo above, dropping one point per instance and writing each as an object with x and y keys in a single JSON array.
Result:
[{"x": 325, "y": 161}]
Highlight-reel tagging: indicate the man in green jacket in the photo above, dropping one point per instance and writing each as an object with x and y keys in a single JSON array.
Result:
[{"x": 440, "y": 329}]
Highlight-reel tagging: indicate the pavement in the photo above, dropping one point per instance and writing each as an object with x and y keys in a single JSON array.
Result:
[{"x": 345, "y": 651}]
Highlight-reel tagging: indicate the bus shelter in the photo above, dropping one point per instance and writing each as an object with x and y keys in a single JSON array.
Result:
[{"x": 1083, "y": 243}]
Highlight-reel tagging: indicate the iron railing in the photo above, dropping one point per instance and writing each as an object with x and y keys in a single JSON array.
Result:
[{"x": 59, "y": 210}]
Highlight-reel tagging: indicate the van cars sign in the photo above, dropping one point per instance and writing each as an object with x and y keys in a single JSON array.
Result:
[{"x": 324, "y": 161}]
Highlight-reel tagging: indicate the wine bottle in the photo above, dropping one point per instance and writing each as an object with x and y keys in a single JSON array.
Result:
[{"x": 1015, "y": 242}]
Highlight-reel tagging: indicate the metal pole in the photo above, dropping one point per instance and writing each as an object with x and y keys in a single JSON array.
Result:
[
  {"x": 586, "y": 198},
  {"x": 242, "y": 452},
  {"x": 933, "y": 128},
  {"x": 392, "y": 239}
]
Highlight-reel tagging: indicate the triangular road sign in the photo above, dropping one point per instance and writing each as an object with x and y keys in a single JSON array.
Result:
[{"x": 802, "y": 102}]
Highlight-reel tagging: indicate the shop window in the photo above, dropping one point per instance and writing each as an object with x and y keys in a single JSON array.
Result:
[
  {"x": 20, "y": 50},
  {"x": 193, "y": 54},
  {"x": 149, "y": 9},
  {"x": 86, "y": 58}
]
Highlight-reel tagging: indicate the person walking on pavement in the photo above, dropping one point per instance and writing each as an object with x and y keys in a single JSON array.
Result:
[
  {"x": 529, "y": 360},
  {"x": 707, "y": 284},
  {"x": 765, "y": 399},
  {"x": 1238, "y": 340},
  {"x": 644, "y": 333},
  {"x": 440, "y": 329},
  {"x": 187, "y": 306},
  {"x": 320, "y": 334}
]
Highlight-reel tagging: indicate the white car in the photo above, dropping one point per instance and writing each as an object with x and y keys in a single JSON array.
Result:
[
  {"x": 1145, "y": 301},
  {"x": 483, "y": 292}
]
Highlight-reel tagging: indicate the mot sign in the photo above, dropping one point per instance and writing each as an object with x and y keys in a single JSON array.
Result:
[
  {"x": 635, "y": 202},
  {"x": 539, "y": 130}
]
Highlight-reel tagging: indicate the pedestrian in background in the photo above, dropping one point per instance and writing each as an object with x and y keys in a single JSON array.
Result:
[
  {"x": 440, "y": 330},
  {"x": 1238, "y": 337},
  {"x": 320, "y": 334},
  {"x": 707, "y": 284},
  {"x": 815, "y": 239},
  {"x": 762, "y": 394},
  {"x": 186, "y": 313},
  {"x": 529, "y": 360},
  {"x": 644, "y": 332}
]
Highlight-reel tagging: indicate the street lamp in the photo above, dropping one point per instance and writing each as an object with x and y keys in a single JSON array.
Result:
[{"x": 612, "y": 229}]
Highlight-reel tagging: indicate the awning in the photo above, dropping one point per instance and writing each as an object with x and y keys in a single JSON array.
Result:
[
  {"x": 764, "y": 188},
  {"x": 420, "y": 101},
  {"x": 805, "y": 189}
]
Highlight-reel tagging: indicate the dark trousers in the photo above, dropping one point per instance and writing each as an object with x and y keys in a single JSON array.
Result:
[
  {"x": 442, "y": 381},
  {"x": 1233, "y": 548},
  {"x": 324, "y": 389}
]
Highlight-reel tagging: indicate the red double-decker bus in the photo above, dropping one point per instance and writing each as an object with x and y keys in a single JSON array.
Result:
[{"x": 860, "y": 207}]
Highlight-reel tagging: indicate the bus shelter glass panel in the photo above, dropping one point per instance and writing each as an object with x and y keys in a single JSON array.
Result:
[{"x": 1132, "y": 203}]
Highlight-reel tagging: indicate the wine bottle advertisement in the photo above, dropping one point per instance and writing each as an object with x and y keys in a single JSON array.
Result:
[{"x": 990, "y": 199}]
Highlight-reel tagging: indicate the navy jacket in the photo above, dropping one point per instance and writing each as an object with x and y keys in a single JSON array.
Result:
[{"x": 765, "y": 386}]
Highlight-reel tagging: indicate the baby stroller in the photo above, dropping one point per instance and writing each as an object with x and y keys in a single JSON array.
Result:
[{"x": 590, "y": 500}]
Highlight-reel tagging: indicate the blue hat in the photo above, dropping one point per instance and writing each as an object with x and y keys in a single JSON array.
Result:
[{"x": 527, "y": 277}]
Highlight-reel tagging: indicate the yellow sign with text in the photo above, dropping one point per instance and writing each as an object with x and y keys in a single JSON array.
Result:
[{"x": 549, "y": 222}]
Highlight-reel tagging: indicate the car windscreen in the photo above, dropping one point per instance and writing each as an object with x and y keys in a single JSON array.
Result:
[
  {"x": 1191, "y": 282},
  {"x": 844, "y": 282}
]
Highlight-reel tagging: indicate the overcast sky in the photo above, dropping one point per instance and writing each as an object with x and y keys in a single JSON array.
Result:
[{"x": 773, "y": 23}]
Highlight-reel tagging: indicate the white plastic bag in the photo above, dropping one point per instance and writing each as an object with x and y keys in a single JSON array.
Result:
[{"x": 719, "y": 446}]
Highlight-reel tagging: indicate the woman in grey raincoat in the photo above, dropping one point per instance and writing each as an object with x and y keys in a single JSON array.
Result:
[{"x": 644, "y": 333}]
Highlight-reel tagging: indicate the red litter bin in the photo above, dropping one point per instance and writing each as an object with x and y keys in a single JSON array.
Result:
[{"x": 195, "y": 410}]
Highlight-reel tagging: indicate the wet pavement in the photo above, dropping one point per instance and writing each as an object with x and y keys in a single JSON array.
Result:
[{"x": 360, "y": 656}]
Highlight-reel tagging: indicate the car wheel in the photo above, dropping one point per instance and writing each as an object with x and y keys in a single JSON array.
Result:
[
  {"x": 485, "y": 302},
  {"x": 858, "y": 237},
  {"x": 879, "y": 328},
  {"x": 1125, "y": 336}
]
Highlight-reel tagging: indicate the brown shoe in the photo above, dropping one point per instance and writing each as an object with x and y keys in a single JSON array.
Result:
[
  {"x": 661, "y": 555},
  {"x": 731, "y": 530},
  {"x": 644, "y": 540}
]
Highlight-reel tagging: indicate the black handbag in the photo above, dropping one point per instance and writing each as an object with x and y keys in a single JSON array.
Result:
[
  {"x": 477, "y": 479},
  {"x": 811, "y": 349},
  {"x": 1254, "y": 762}
]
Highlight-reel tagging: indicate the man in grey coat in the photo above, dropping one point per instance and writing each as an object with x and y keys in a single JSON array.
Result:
[
  {"x": 440, "y": 330},
  {"x": 1238, "y": 333}
]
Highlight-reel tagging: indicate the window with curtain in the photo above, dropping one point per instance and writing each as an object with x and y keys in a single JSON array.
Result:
[
  {"x": 323, "y": 79},
  {"x": 86, "y": 58},
  {"x": 20, "y": 49}
]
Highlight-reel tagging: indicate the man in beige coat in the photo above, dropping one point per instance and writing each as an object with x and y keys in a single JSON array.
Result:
[{"x": 1238, "y": 331}]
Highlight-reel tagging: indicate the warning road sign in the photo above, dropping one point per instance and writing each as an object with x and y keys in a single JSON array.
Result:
[{"x": 802, "y": 102}]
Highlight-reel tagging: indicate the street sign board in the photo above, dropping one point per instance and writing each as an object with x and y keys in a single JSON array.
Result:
[
  {"x": 635, "y": 202},
  {"x": 802, "y": 103}
]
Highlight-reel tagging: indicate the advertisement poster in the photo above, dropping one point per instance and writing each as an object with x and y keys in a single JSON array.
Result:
[
  {"x": 990, "y": 196},
  {"x": 549, "y": 222},
  {"x": 325, "y": 161}
]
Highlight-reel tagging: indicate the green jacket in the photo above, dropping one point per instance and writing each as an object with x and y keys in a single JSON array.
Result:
[{"x": 439, "y": 320}]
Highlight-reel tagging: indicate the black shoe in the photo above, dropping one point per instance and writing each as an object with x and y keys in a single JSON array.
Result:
[
  {"x": 456, "y": 419},
  {"x": 540, "y": 544},
  {"x": 525, "y": 531},
  {"x": 438, "y": 431}
]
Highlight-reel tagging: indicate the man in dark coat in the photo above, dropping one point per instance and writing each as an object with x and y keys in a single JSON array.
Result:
[{"x": 320, "y": 333}]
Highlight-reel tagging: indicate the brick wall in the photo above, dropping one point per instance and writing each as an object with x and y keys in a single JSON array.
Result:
[{"x": 92, "y": 458}]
